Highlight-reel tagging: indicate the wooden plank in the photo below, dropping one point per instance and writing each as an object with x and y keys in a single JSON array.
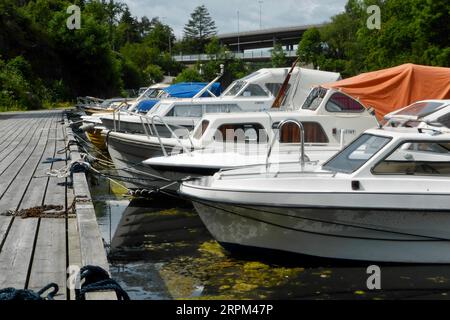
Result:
[
  {"x": 10, "y": 153},
  {"x": 4, "y": 225},
  {"x": 49, "y": 260},
  {"x": 9, "y": 132},
  {"x": 91, "y": 243},
  {"x": 74, "y": 250},
  {"x": 17, "y": 178},
  {"x": 16, "y": 253}
]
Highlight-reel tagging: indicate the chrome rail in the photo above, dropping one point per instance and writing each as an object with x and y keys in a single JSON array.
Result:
[
  {"x": 163, "y": 148},
  {"x": 302, "y": 137}
]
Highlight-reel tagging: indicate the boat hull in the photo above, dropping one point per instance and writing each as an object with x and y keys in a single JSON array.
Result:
[
  {"x": 96, "y": 137},
  {"x": 366, "y": 234},
  {"x": 138, "y": 128},
  {"x": 127, "y": 156}
]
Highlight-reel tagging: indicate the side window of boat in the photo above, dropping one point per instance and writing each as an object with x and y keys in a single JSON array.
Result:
[
  {"x": 242, "y": 133},
  {"x": 417, "y": 158},
  {"x": 314, "y": 133},
  {"x": 445, "y": 120},
  {"x": 194, "y": 110},
  {"x": 222, "y": 108},
  {"x": 274, "y": 88},
  {"x": 254, "y": 90},
  {"x": 340, "y": 102}
]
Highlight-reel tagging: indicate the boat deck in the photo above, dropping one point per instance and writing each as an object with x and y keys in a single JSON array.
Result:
[{"x": 37, "y": 250}]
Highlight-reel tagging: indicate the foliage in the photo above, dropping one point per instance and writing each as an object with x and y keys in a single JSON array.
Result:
[
  {"x": 188, "y": 75},
  {"x": 414, "y": 31},
  {"x": 45, "y": 62},
  {"x": 199, "y": 29},
  {"x": 278, "y": 56}
]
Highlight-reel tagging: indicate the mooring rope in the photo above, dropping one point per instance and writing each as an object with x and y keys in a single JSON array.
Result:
[{"x": 96, "y": 279}]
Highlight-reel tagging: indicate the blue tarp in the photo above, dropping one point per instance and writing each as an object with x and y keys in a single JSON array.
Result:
[
  {"x": 181, "y": 90},
  {"x": 190, "y": 89},
  {"x": 146, "y": 105}
]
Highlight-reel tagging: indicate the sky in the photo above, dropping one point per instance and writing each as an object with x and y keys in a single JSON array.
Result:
[{"x": 275, "y": 13}]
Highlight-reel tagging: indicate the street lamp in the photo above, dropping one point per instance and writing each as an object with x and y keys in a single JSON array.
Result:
[
  {"x": 239, "y": 48},
  {"x": 260, "y": 13}
]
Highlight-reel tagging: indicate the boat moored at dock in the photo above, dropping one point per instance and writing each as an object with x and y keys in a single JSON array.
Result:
[{"x": 385, "y": 197}]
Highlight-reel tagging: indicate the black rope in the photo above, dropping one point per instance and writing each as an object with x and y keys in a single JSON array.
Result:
[
  {"x": 24, "y": 294},
  {"x": 97, "y": 279}
]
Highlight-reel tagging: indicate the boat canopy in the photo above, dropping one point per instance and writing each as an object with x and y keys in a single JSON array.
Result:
[
  {"x": 179, "y": 90},
  {"x": 190, "y": 89},
  {"x": 390, "y": 89}
]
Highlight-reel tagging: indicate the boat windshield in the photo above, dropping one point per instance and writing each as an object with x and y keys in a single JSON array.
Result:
[
  {"x": 356, "y": 154},
  {"x": 235, "y": 88},
  {"x": 421, "y": 109}
]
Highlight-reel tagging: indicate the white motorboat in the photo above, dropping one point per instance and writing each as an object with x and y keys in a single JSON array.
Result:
[
  {"x": 255, "y": 92},
  {"x": 326, "y": 131},
  {"x": 385, "y": 197},
  {"x": 422, "y": 114}
]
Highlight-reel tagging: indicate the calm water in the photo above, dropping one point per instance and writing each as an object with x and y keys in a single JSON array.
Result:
[{"x": 159, "y": 249}]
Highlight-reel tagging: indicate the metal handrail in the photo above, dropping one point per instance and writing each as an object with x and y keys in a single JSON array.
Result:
[
  {"x": 171, "y": 132},
  {"x": 302, "y": 137}
]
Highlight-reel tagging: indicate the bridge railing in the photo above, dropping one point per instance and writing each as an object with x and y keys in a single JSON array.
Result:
[{"x": 251, "y": 55}]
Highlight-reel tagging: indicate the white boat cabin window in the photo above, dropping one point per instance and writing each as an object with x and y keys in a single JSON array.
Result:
[
  {"x": 221, "y": 108},
  {"x": 417, "y": 158},
  {"x": 194, "y": 111},
  {"x": 241, "y": 133},
  {"x": 421, "y": 109},
  {"x": 235, "y": 88},
  {"x": 314, "y": 133},
  {"x": 355, "y": 155},
  {"x": 274, "y": 88},
  {"x": 254, "y": 90},
  {"x": 340, "y": 102},
  {"x": 314, "y": 99}
]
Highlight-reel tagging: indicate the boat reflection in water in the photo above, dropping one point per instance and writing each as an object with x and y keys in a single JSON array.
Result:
[{"x": 161, "y": 250}]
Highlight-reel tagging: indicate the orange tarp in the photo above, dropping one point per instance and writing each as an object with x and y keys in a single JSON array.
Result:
[{"x": 390, "y": 89}]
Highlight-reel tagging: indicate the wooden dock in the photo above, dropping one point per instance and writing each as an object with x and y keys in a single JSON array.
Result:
[{"x": 36, "y": 251}]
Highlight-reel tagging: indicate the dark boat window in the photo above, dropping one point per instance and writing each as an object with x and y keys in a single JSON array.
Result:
[
  {"x": 356, "y": 154},
  {"x": 340, "y": 102},
  {"x": 314, "y": 99},
  {"x": 445, "y": 120},
  {"x": 417, "y": 158},
  {"x": 314, "y": 133},
  {"x": 241, "y": 132}
]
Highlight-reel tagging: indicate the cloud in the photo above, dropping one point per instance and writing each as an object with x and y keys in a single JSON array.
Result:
[{"x": 275, "y": 13}]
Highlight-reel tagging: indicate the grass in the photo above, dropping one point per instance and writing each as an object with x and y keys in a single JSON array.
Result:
[{"x": 45, "y": 106}]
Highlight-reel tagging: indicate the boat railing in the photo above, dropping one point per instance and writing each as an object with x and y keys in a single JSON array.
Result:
[
  {"x": 153, "y": 131},
  {"x": 277, "y": 135}
]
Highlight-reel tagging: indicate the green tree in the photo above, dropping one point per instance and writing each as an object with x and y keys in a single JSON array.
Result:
[
  {"x": 310, "y": 47},
  {"x": 153, "y": 74},
  {"x": 278, "y": 56},
  {"x": 199, "y": 29},
  {"x": 189, "y": 75}
]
